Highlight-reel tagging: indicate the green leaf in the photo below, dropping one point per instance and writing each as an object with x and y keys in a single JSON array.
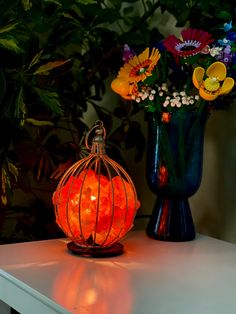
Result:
[
  {"x": 13, "y": 170},
  {"x": 37, "y": 123},
  {"x": 70, "y": 17},
  {"x": 20, "y": 110},
  {"x": 224, "y": 15},
  {"x": 128, "y": 10},
  {"x": 50, "y": 99},
  {"x": 182, "y": 17},
  {"x": 35, "y": 59},
  {"x": 53, "y": 1},
  {"x": 86, "y": 1},
  {"x": 108, "y": 16},
  {"x": 10, "y": 43},
  {"x": 8, "y": 28},
  {"x": 132, "y": 38},
  {"x": 26, "y": 4},
  {"x": 115, "y": 4},
  {"x": 45, "y": 68}
]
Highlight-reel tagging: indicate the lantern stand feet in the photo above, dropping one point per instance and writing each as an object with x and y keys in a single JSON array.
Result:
[{"x": 116, "y": 249}]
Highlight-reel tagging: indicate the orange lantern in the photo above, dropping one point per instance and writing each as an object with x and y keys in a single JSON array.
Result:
[{"x": 95, "y": 201}]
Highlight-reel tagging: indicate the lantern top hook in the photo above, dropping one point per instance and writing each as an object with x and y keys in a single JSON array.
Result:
[{"x": 100, "y": 132}]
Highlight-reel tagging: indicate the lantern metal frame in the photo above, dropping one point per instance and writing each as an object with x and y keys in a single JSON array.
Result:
[{"x": 101, "y": 165}]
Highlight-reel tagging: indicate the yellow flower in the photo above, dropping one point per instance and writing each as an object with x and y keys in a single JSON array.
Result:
[
  {"x": 140, "y": 67},
  {"x": 215, "y": 84}
]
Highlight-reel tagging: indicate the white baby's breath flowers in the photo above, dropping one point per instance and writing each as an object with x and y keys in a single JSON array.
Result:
[
  {"x": 177, "y": 99},
  {"x": 164, "y": 87},
  {"x": 215, "y": 51},
  {"x": 168, "y": 98},
  {"x": 145, "y": 93}
]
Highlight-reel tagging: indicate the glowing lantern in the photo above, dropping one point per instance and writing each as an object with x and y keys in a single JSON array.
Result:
[{"x": 95, "y": 201}]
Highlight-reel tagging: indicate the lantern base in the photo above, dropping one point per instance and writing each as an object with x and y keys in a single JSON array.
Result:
[{"x": 114, "y": 250}]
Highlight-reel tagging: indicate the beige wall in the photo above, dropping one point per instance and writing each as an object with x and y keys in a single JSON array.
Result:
[{"x": 214, "y": 205}]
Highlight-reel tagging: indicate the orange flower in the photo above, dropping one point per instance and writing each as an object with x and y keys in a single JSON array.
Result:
[
  {"x": 140, "y": 67},
  {"x": 125, "y": 89}
]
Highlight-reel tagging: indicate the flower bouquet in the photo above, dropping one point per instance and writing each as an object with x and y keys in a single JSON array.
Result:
[
  {"x": 185, "y": 73},
  {"x": 178, "y": 83}
]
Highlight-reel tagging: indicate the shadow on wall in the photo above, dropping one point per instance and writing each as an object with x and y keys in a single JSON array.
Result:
[
  {"x": 227, "y": 171},
  {"x": 214, "y": 205}
]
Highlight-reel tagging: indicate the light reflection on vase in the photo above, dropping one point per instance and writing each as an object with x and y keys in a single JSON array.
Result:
[
  {"x": 174, "y": 171},
  {"x": 92, "y": 287}
]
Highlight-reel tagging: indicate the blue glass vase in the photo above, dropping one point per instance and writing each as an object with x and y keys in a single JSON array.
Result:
[{"x": 174, "y": 171}]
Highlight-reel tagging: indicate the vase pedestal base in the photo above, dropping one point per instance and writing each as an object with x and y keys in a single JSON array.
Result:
[{"x": 171, "y": 220}]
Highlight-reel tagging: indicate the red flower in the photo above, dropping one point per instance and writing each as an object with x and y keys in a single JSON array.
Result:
[
  {"x": 191, "y": 43},
  {"x": 166, "y": 116},
  {"x": 163, "y": 175}
]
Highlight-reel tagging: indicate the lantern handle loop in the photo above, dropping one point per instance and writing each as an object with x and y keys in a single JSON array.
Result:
[{"x": 99, "y": 130}]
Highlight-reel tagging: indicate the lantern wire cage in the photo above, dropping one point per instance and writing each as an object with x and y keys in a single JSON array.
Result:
[{"x": 95, "y": 201}]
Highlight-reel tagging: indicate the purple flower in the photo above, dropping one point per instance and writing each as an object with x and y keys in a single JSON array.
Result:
[
  {"x": 226, "y": 55},
  {"x": 127, "y": 53}
]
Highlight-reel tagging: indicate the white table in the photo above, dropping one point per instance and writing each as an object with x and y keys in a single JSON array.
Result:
[{"x": 194, "y": 277}]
